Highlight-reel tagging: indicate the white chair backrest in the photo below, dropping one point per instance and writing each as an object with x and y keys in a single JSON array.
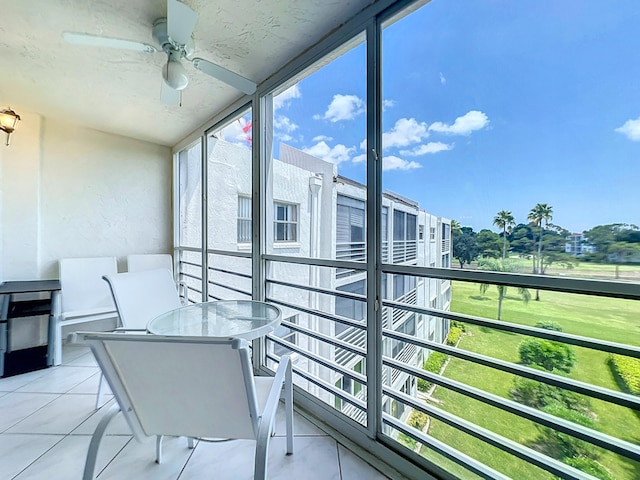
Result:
[
  {"x": 188, "y": 386},
  {"x": 142, "y": 296},
  {"x": 82, "y": 285},
  {"x": 137, "y": 263}
]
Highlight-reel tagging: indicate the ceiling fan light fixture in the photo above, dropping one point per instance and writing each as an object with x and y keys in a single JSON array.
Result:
[{"x": 174, "y": 74}]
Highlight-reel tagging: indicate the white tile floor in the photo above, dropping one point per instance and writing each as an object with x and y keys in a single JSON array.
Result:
[{"x": 48, "y": 416}]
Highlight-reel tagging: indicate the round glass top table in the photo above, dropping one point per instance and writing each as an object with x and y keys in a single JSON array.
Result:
[{"x": 246, "y": 319}]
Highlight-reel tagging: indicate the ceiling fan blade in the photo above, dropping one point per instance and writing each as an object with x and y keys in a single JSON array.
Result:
[
  {"x": 168, "y": 95},
  {"x": 181, "y": 21},
  {"x": 227, "y": 76},
  {"x": 97, "y": 41}
]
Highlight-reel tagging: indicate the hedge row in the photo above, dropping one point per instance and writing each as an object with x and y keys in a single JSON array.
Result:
[
  {"x": 629, "y": 370},
  {"x": 418, "y": 419},
  {"x": 454, "y": 335},
  {"x": 433, "y": 364}
]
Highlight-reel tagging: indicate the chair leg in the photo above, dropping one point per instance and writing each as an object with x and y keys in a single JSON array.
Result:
[
  {"x": 191, "y": 442},
  {"x": 159, "y": 439},
  {"x": 288, "y": 404},
  {"x": 92, "y": 454},
  {"x": 57, "y": 343},
  {"x": 262, "y": 448},
  {"x": 100, "y": 394}
]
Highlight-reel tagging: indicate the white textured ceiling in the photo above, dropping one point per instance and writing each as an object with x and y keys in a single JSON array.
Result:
[{"x": 119, "y": 91}]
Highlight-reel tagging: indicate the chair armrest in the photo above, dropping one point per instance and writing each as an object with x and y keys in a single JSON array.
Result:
[
  {"x": 279, "y": 379},
  {"x": 124, "y": 330}
]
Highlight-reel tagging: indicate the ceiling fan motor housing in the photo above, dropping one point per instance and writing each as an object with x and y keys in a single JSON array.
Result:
[{"x": 161, "y": 36}]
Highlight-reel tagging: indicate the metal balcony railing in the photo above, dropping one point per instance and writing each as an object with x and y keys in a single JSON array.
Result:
[
  {"x": 321, "y": 360},
  {"x": 404, "y": 250}
]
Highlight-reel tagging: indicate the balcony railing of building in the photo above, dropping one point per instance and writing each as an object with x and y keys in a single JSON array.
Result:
[
  {"x": 446, "y": 245},
  {"x": 405, "y": 251},
  {"x": 330, "y": 358},
  {"x": 356, "y": 251}
]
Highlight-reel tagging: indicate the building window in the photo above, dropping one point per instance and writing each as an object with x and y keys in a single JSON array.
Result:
[
  {"x": 421, "y": 232},
  {"x": 350, "y": 220},
  {"x": 244, "y": 219},
  {"x": 432, "y": 234},
  {"x": 286, "y": 222}
]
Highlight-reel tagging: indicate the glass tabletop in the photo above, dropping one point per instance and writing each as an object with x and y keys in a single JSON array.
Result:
[{"x": 226, "y": 318}]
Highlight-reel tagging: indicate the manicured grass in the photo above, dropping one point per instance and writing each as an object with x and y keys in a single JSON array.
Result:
[
  {"x": 606, "y": 319},
  {"x": 602, "y": 271}
]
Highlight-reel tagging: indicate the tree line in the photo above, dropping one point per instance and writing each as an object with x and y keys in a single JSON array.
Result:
[{"x": 543, "y": 241}]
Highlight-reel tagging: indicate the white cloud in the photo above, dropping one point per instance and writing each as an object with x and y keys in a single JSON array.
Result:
[
  {"x": 359, "y": 158},
  {"x": 405, "y": 132},
  {"x": 443, "y": 80},
  {"x": 388, "y": 104},
  {"x": 464, "y": 125},
  {"x": 631, "y": 129},
  {"x": 431, "y": 147},
  {"x": 283, "y": 99},
  {"x": 338, "y": 154},
  {"x": 342, "y": 107},
  {"x": 392, "y": 162},
  {"x": 283, "y": 123},
  {"x": 321, "y": 138}
]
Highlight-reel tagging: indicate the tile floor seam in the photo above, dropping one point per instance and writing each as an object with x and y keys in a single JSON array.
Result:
[
  {"x": 37, "y": 410},
  {"x": 339, "y": 462},
  {"x": 39, "y": 457},
  {"x": 112, "y": 458},
  {"x": 188, "y": 459}
]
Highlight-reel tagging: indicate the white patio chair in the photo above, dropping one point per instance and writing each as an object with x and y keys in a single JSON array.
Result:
[
  {"x": 139, "y": 297},
  {"x": 151, "y": 261},
  {"x": 189, "y": 386},
  {"x": 84, "y": 296}
]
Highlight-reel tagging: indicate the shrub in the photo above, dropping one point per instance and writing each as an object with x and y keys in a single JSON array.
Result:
[
  {"x": 407, "y": 441},
  {"x": 590, "y": 466},
  {"x": 539, "y": 395},
  {"x": 418, "y": 419},
  {"x": 423, "y": 385},
  {"x": 561, "y": 445},
  {"x": 547, "y": 354},
  {"x": 433, "y": 364},
  {"x": 454, "y": 335},
  {"x": 628, "y": 369},
  {"x": 547, "y": 325},
  {"x": 460, "y": 325}
]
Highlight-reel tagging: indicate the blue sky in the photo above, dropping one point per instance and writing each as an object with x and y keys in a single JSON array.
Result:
[{"x": 491, "y": 105}]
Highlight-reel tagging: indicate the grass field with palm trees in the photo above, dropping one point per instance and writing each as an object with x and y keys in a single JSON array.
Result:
[{"x": 602, "y": 318}]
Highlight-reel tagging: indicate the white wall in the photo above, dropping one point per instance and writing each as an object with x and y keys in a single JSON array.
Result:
[{"x": 70, "y": 191}]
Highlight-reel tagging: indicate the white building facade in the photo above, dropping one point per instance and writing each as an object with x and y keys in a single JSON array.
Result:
[{"x": 312, "y": 212}]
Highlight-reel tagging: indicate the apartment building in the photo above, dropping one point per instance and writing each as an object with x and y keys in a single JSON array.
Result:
[{"x": 315, "y": 213}]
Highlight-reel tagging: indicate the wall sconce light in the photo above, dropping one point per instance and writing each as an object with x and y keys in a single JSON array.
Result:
[{"x": 8, "y": 120}]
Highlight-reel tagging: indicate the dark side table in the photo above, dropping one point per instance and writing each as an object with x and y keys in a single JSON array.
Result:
[{"x": 27, "y": 325}]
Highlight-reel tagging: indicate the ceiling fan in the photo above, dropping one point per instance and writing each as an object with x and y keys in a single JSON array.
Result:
[{"x": 173, "y": 35}]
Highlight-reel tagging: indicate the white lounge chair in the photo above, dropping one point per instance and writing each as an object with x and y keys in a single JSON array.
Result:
[
  {"x": 140, "y": 297},
  {"x": 84, "y": 296},
  {"x": 149, "y": 261},
  {"x": 189, "y": 386}
]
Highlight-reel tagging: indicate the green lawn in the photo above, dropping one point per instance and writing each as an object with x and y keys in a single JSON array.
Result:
[
  {"x": 601, "y": 271},
  {"x": 607, "y": 319}
]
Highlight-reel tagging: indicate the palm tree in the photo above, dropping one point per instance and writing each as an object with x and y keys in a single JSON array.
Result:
[
  {"x": 495, "y": 265},
  {"x": 538, "y": 214},
  {"x": 456, "y": 228},
  {"x": 504, "y": 220}
]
